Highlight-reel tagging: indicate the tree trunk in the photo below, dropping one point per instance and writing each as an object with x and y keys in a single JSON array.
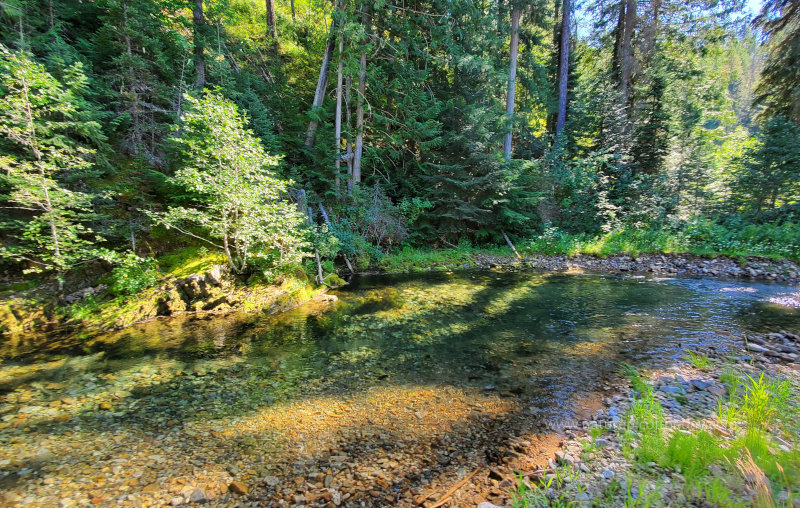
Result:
[
  {"x": 508, "y": 241},
  {"x": 362, "y": 90},
  {"x": 272, "y": 26},
  {"x": 198, "y": 20},
  {"x": 348, "y": 87},
  {"x": 626, "y": 62},
  {"x": 291, "y": 2},
  {"x": 338, "y": 120},
  {"x": 319, "y": 94},
  {"x": 563, "y": 69},
  {"x": 512, "y": 80}
]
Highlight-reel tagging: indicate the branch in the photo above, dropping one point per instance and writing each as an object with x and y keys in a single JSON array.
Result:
[{"x": 196, "y": 236}]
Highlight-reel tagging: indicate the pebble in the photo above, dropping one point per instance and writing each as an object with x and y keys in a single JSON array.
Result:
[
  {"x": 238, "y": 488},
  {"x": 197, "y": 496}
]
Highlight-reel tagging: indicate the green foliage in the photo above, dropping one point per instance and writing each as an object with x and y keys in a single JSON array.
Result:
[
  {"x": 414, "y": 259},
  {"x": 133, "y": 275},
  {"x": 693, "y": 452},
  {"x": 780, "y": 83},
  {"x": 699, "y": 361},
  {"x": 239, "y": 206},
  {"x": 188, "y": 260},
  {"x": 763, "y": 400},
  {"x": 367, "y": 222},
  {"x": 734, "y": 238},
  {"x": 40, "y": 126},
  {"x": 764, "y": 404},
  {"x": 677, "y": 163}
]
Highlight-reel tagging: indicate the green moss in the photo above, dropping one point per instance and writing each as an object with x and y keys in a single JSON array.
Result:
[
  {"x": 189, "y": 260},
  {"x": 334, "y": 280}
]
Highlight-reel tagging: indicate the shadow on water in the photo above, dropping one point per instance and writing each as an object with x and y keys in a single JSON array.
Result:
[{"x": 519, "y": 346}]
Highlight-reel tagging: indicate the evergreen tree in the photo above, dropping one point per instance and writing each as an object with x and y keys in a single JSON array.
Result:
[
  {"x": 770, "y": 175},
  {"x": 779, "y": 88}
]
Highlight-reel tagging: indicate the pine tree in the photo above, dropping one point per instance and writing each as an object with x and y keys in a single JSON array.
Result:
[{"x": 779, "y": 88}]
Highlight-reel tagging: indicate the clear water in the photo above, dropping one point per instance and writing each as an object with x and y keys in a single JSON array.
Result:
[{"x": 517, "y": 345}]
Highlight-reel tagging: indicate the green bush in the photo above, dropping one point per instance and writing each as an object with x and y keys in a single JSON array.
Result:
[{"x": 133, "y": 275}]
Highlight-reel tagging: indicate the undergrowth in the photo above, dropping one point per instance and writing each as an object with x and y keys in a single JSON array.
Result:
[{"x": 756, "y": 409}]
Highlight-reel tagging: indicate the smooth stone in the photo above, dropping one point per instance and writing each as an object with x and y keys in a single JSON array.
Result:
[
  {"x": 238, "y": 488},
  {"x": 271, "y": 481},
  {"x": 700, "y": 384},
  {"x": 197, "y": 496},
  {"x": 755, "y": 347},
  {"x": 608, "y": 474},
  {"x": 717, "y": 390}
]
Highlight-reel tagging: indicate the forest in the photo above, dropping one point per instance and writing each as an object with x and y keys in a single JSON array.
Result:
[{"x": 271, "y": 132}]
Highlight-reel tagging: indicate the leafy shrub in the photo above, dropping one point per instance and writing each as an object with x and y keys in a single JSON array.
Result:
[{"x": 133, "y": 275}]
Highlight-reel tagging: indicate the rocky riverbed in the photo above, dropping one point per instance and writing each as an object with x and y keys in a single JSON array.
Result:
[
  {"x": 405, "y": 391},
  {"x": 783, "y": 271},
  {"x": 596, "y": 464}
]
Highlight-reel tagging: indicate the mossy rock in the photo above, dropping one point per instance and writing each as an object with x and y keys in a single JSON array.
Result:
[
  {"x": 334, "y": 280},
  {"x": 19, "y": 314}
]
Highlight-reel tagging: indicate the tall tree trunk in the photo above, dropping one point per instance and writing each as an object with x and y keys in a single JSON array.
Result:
[
  {"x": 362, "y": 90},
  {"x": 348, "y": 87},
  {"x": 272, "y": 26},
  {"x": 338, "y": 120},
  {"x": 52, "y": 19},
  {"x": 563, "y": 68},
  {"x": 512, "y": 80},
  {"x": 294, "y": 19},
  {"x": 319, "y": 94},
  {"x": 626, "y": 61},
  {"x": 198, "y": 20}
]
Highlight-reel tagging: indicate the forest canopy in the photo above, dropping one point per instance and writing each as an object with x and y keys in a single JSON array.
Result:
[{"x": 275, "y": 130}]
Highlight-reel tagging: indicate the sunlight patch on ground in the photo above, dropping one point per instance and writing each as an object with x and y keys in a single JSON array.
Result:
[{"x": 404, "y": 412}]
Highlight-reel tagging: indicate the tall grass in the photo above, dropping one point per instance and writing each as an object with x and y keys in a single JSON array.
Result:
[{"x": 700, "y": 237}]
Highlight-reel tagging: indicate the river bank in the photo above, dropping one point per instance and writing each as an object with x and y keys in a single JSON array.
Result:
[
  {"x": 754, "y": 268},
  {"x": 715, "y": 428},
  {"x": 213, "y": 291}
]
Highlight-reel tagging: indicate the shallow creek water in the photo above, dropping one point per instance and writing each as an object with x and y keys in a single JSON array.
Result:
[{"x": 404, "y": 385}]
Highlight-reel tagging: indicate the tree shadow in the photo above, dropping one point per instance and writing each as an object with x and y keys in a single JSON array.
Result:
[{"x": 509, "y": 341}]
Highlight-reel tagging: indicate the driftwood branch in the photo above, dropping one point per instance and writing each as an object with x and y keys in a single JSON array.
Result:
[
  {"x": 442, "y": 500},
  {"x": 508, "y": 241}
]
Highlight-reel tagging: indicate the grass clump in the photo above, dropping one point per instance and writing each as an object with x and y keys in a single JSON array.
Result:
[
  {"x": 557, "y": 491},
  {"x": 757, "y": 405},
  {"x": 699, "y": 361}
]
